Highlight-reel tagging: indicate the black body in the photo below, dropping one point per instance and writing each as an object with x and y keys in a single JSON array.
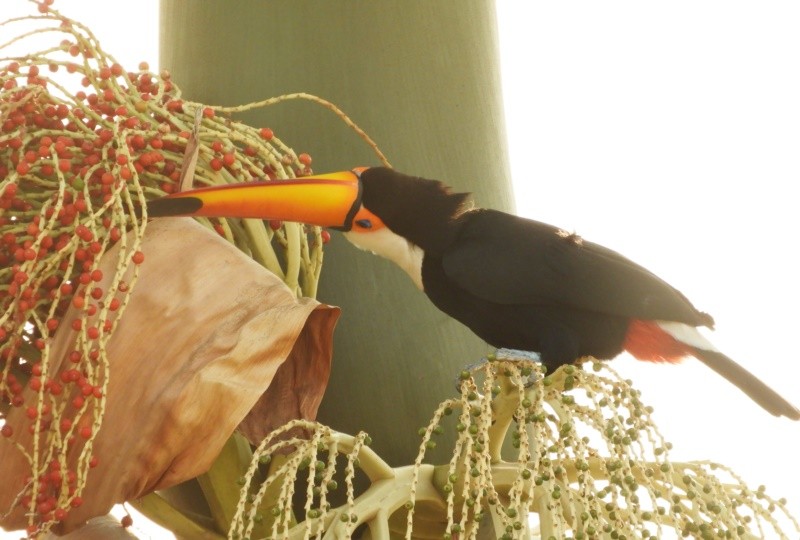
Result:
[
  {"x": 522, "y": 284},
  {"x": 519, "y": 283}
]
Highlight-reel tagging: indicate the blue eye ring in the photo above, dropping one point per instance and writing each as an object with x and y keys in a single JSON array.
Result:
[{"x": 364, "y": 223}]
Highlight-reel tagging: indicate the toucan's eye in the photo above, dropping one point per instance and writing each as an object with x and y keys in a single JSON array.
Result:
[{"x": 364, "y": 223}]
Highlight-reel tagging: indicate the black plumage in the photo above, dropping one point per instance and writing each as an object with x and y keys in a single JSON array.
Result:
[{"x": 522, "y": 284}]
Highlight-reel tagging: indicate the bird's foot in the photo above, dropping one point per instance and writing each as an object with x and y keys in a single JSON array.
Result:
[
  {"x": 500, "y": 354},
  {"x": 517, "y": 354}
]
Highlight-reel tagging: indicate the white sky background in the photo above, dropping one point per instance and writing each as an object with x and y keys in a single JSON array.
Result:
[{"x": 671, "y": 133}]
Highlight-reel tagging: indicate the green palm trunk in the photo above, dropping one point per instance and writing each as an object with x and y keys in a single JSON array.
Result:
[{"x": 422, "y": 79}]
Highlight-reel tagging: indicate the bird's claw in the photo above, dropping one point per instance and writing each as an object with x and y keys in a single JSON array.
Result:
[
  {"x": 502, "y": 354},
  {"x": 517, "y": 354},
  {"x": 514, "y": 355}
]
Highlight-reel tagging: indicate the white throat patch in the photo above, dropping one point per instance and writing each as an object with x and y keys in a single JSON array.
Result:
[{"x": 391, "y": 246}]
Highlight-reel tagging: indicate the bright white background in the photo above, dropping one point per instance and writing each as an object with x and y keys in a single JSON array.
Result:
[{"x": 671, "y": 133}]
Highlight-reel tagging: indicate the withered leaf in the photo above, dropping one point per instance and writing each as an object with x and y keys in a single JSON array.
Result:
[{"x": 207, "y": 335}]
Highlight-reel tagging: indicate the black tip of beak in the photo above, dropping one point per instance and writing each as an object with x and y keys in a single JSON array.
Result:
[{"x": 179, "y": 206}]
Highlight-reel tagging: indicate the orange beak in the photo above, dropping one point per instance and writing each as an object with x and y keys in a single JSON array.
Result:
[{"x": 328, "y": 200}]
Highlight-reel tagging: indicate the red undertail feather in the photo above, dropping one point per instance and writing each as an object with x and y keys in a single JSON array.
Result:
[{"x": 645, "y": 340}]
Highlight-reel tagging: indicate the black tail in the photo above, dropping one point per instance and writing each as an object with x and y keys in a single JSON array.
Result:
[{"x": 748, "y": 383}]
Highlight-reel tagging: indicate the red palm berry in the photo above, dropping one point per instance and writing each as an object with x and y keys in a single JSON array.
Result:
[{"x": 55, "y": 388}]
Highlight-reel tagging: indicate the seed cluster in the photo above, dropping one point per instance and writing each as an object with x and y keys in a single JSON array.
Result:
[
  {"x": 83, "y": 144},
  {"x": 585, "y": 460},
  {"x": 589, "y": 462},
  {"x": 265, "y": 506}
]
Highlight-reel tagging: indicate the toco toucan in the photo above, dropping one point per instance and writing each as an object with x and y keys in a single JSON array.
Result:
[{"x": 515, "y": 282}]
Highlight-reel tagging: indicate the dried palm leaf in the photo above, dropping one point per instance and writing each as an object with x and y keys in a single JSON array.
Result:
[{"x": 207, "y": 335}]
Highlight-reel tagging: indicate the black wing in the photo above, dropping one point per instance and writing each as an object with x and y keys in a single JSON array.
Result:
[{"x": 511, "y": 260}]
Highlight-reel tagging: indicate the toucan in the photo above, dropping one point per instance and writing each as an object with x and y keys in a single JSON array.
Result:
[{"x": 515, "y": 282}]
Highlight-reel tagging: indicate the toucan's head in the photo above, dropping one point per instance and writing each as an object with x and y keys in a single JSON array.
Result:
[{"x": 386, "y": 212}]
